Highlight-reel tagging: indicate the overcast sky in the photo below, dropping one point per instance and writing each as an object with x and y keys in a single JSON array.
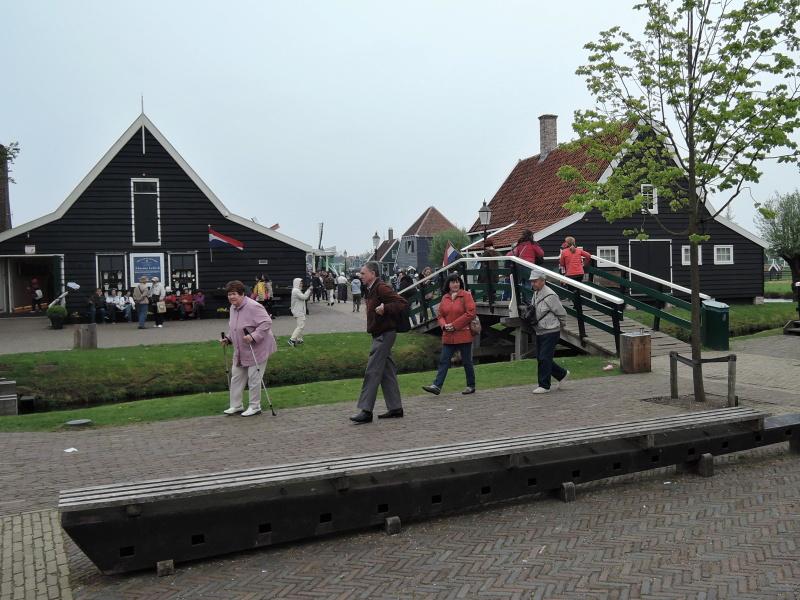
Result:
[{"x": 358, "y": 114}]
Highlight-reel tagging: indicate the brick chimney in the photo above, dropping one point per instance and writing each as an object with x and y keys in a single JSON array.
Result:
[
  {"x": 5, "y": 197},
  {"x": 391, "y": 234},
  {"x": 548, "y": 138}
]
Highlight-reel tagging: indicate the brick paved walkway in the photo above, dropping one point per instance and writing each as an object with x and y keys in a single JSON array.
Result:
[{"x": 662, "y": 535}]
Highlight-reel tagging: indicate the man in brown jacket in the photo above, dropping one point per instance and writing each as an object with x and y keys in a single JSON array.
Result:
[{"x": 384, "y": 308}]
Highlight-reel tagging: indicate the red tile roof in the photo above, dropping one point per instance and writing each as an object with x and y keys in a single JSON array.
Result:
[
  {"x": 429, "y": 224},
  {"x": 534, "y": 195}
]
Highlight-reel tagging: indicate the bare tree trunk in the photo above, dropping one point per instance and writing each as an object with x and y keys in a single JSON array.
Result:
[
  {"x": 694, "y": 212},
  {"x": 697, "y": 369}
]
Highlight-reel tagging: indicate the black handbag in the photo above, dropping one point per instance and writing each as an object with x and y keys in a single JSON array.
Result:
[{"x": 403, "y": 324}]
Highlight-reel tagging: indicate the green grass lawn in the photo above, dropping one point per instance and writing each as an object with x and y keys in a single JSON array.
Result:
[
  {"x": 745, "y": 319},
  {"x": 778, "y": 289},
  {"x": 87, "y": 377},
  {"x": 494, "y": 375}
]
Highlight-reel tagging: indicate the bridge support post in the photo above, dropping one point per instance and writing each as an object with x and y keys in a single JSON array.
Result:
[{"x": 673, "y": 375}]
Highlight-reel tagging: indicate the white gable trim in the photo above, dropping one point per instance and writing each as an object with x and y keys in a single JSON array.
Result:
[
  {"x": 488, "y": 235},
  {"x": 558, "y": 226},
  {"x": 143, "y": 122}
]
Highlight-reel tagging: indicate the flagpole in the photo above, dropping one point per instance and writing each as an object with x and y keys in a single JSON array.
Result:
[{"x": 210, "y": 252}]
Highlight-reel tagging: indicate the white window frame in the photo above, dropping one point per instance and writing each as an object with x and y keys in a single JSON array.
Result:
[
  {"x": 410, "y": 247},
  {"x": 685, "y": 258},
  {"x": 648, "y": 190},
  {"x": 158, "y": 210},
  {"x": 98, "y": 283},
  {"x": 196, "y": 268},
  {"x": 717, "y": 261},
  {"x": 603, "y": 263}
]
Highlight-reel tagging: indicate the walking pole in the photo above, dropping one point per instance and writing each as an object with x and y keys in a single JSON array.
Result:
[
  {"x": 225, "y": 359},
  {"x": 261, "y": 377}
]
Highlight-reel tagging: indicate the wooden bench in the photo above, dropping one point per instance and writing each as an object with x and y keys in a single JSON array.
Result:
[{"x": 134, "y": 525}]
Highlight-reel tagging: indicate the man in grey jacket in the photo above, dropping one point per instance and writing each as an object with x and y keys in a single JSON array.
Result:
[{"x": 550, "y": 317}]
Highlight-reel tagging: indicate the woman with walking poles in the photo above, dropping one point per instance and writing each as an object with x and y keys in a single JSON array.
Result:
[
  {"x": 250, "y": 334},
  {"x": 456, "y": 312}
]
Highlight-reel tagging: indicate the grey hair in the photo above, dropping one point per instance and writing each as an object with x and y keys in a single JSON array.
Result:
[
  {"x": 374, "y": 267},
  {"x": 538, "y": 275}
]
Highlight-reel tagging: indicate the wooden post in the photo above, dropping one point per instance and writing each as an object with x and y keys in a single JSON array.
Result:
[
  {"x": 732, "y": 399},
  {"x": 635, "y": 353},
  {"x": 85, "y": 337},
  {"x": 673, "y": 375}
]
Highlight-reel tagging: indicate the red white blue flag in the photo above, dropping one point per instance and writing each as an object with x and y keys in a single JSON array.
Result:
[
  {"x": 450, "y": 254},
  {"x": 218, "y": 240}
]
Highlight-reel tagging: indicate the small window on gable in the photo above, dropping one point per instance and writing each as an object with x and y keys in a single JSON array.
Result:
[
  {"x": 686, "y": 255},
  {"x": 145, "y": 212},
  {"x": 409, "y": 246},
  {"x": 723, "y": 255},
  {"x": 650, "y": 195},
  {"x": 607, "y": 253}
]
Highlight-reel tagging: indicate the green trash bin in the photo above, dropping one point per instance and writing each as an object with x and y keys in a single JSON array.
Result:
[{"x": 715, "y": 325}]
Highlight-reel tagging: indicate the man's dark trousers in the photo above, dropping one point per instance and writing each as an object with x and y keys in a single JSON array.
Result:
[
  {"x": 545, "y": 349},
  {"x": 381, "y": 371}
]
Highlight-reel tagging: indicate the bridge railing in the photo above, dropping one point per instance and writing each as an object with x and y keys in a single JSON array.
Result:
[
  {"x": 628, "y": 286},
  {"x": 490, "y": 276}
]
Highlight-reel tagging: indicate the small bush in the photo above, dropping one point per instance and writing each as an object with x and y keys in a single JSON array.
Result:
[{"x": 57, "y": 311}]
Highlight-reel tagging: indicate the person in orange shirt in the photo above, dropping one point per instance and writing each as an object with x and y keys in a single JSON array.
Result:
[{"x": 571, "y": 260}]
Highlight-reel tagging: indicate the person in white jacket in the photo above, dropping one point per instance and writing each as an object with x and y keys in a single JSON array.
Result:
[{"x": 299, "y": 310}]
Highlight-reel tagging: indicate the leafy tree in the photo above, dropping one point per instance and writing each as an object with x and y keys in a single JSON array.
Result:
[
  {"x": 707, "y": 93},
  {"x": 458, "y": 237},
  {"x": 779, "y": 224}
]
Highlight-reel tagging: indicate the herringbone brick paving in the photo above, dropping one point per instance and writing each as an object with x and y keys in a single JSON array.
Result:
[{"x": 731, "y": 536}]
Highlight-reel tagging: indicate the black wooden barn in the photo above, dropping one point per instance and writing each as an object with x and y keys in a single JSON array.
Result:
[
  {"x": 533, "y": 197},
  {"x": 141, "y": 209}
]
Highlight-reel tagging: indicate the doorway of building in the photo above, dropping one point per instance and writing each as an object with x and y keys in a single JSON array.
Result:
[
  {"x": 23, "y": 276},
  {"x": 653, "y": 257}
]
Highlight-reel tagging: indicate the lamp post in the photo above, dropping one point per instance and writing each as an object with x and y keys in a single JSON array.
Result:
[
  {"x": 376, "y": 239},
  {"x": 345, "y": 261},
  {"x": 485, "y": 216}
]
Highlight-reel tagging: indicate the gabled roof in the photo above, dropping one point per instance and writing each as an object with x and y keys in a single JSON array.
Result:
[
  {"x": 136, "y": 126},
  {"x": 534, "y": 195},
  {"x": 384, "y": 249},
  {"x": 429, "y": 224}
]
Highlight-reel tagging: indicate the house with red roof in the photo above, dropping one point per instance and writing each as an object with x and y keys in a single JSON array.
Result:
[
  {"x": 533, "y": 197},
  {"x": 415, "y": 243}
]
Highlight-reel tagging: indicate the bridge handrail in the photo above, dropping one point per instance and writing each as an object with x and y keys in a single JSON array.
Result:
[
  {"x": 589, "y": 290},
  {"x": 669, "y": 284}
]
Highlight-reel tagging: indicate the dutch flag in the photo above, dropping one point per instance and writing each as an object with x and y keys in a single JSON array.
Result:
[
  {"x": 218, "y": 240},
  {"x": 450, "y": 254}
]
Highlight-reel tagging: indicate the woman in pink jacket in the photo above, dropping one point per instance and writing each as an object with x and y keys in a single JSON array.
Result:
[
  {"x": 250, "y": 334},
  {"x": 456, "y": 311}
]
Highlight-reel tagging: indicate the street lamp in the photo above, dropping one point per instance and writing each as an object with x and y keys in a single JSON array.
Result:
[
  {"x": 345, "y": 260},
  {"x": 376, "y": 239},
  {"x": 485, "y": 216}
]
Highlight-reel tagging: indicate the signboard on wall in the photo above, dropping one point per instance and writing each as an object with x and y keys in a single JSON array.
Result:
[{"x": 149, "y": 264}]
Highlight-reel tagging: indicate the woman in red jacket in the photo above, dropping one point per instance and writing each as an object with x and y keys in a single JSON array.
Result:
[
  {"x": 527, "y": 249},
  {"x": 456, "y": 311}
]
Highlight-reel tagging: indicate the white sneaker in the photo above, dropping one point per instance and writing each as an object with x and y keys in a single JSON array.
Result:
[
  {"x": 251, "y": 411},
  {"x": 160, "y": 326},
  {"x": 233, "y": 411},
  {"x": 557, "y": 384},
  {"x": 541, "y": 390}
]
